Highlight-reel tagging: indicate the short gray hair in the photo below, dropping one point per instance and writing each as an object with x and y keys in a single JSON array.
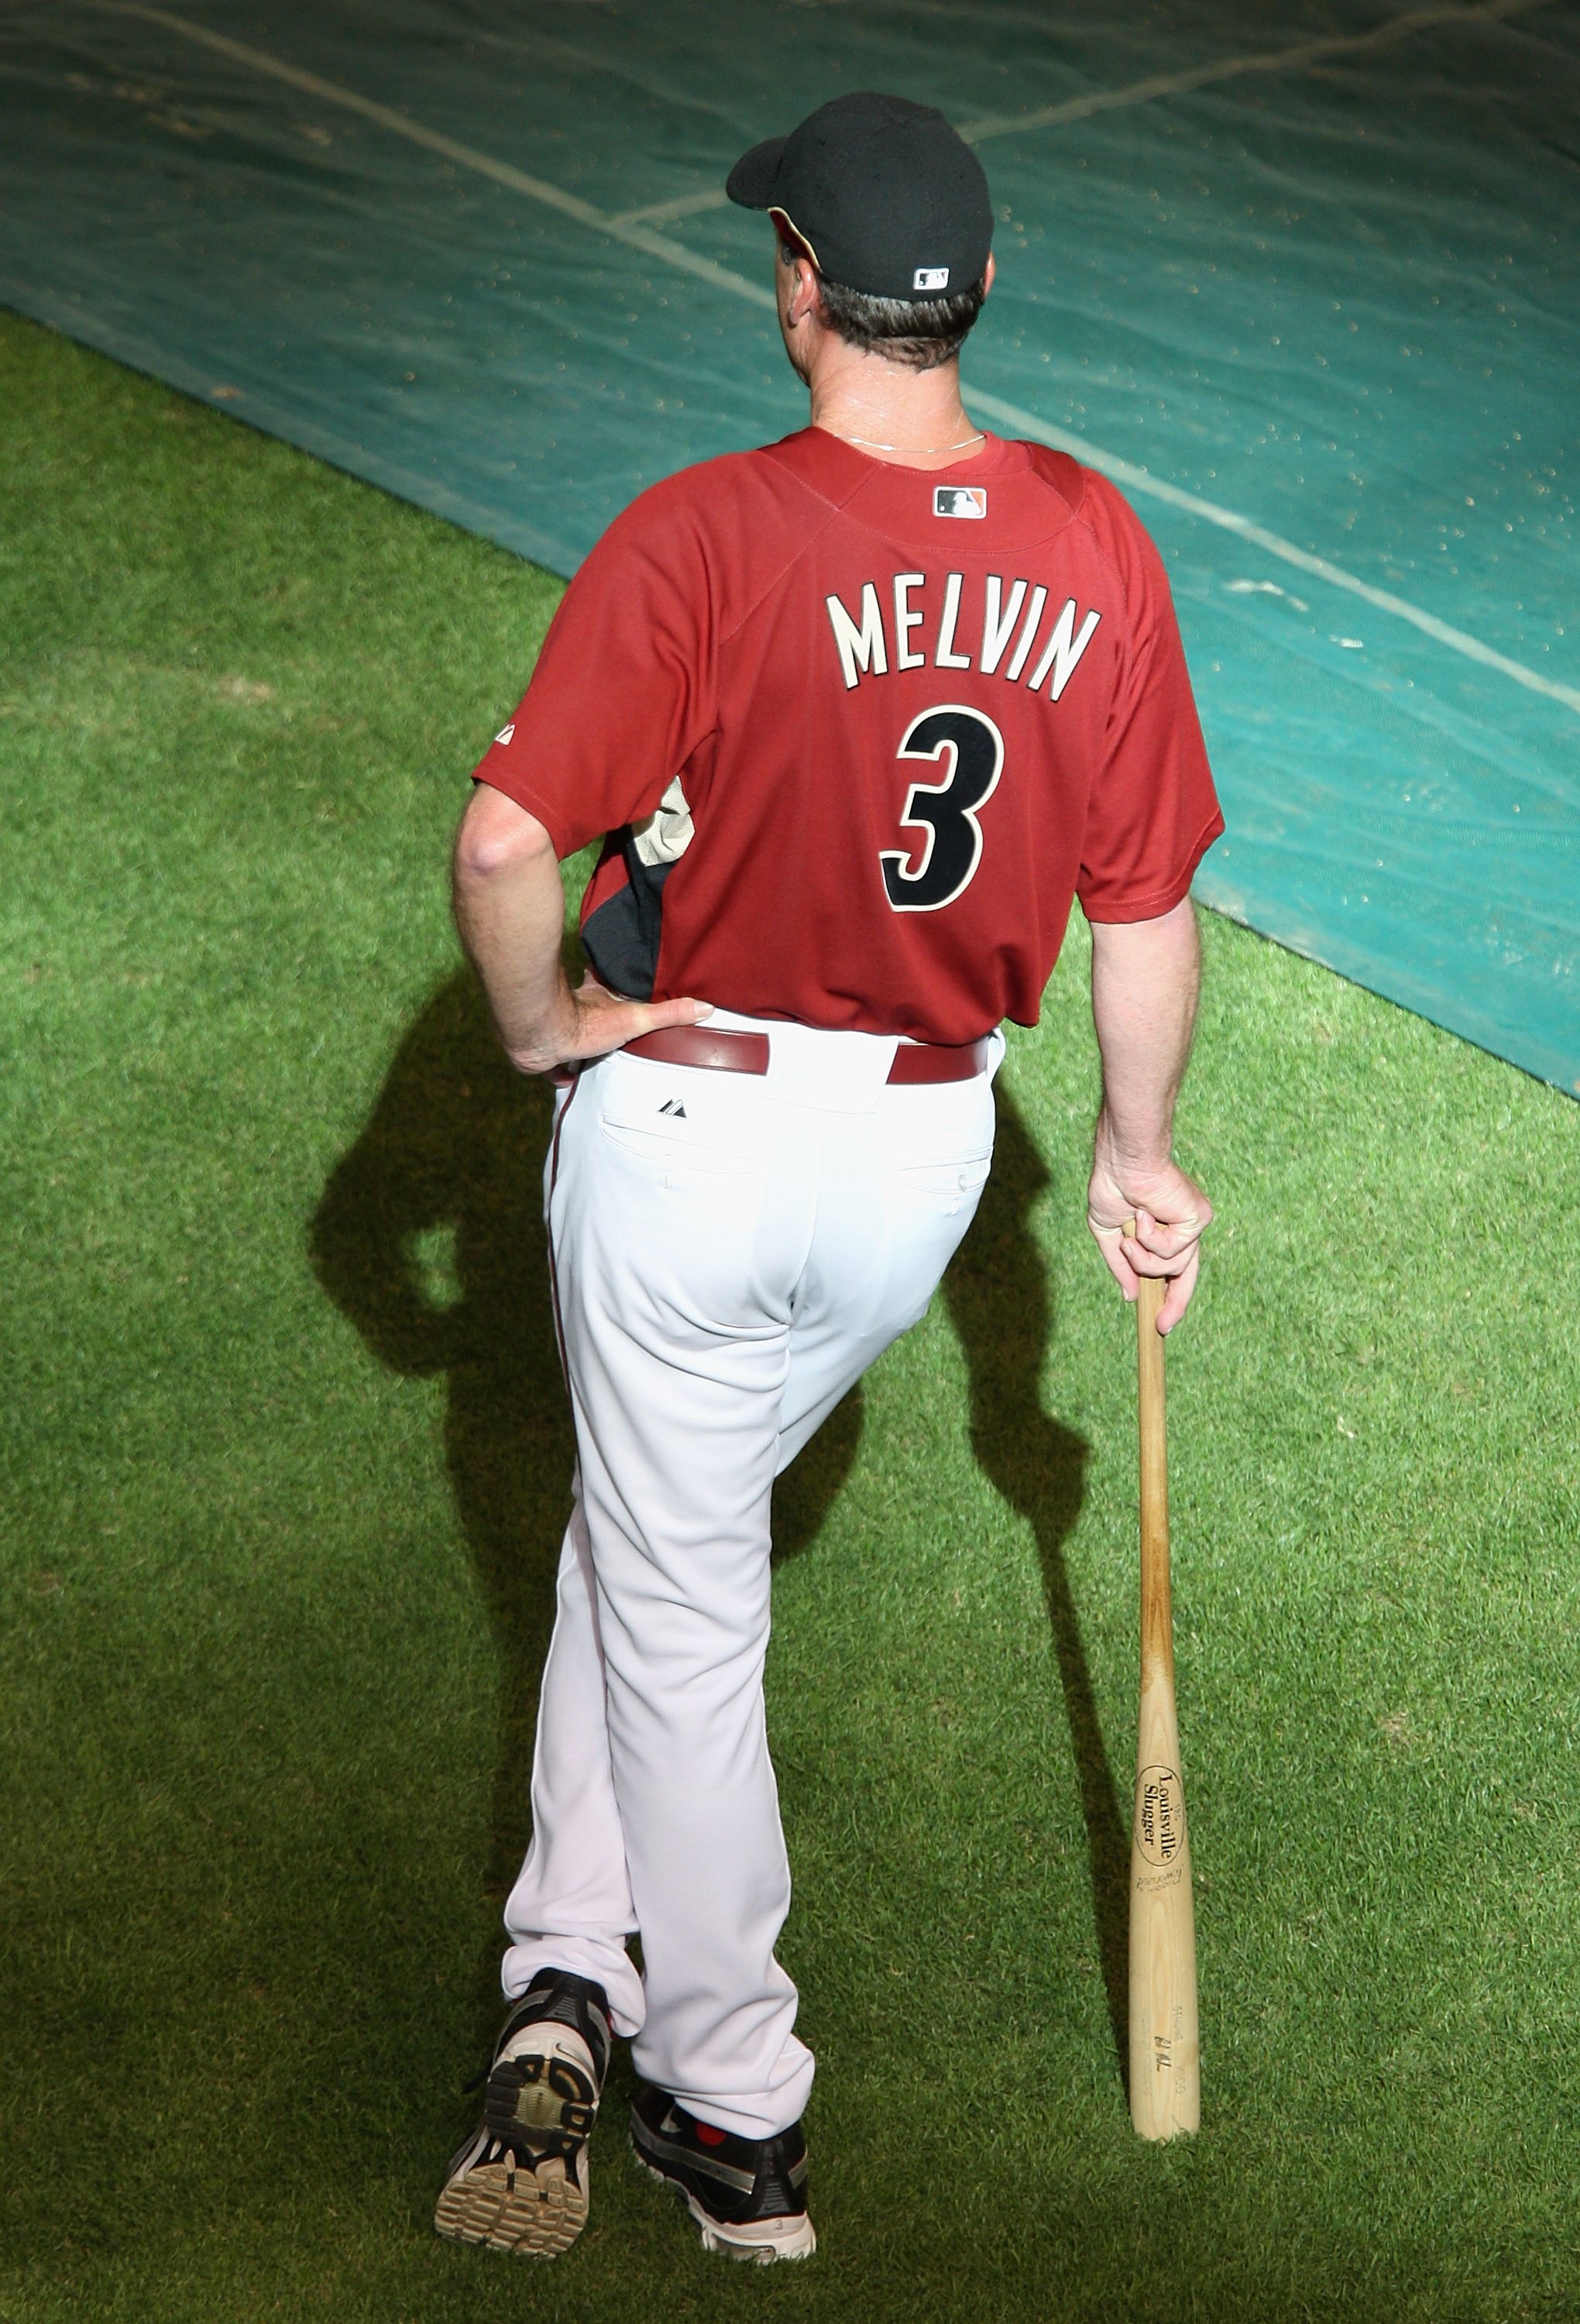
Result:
[{"x": 921, "y": 332}]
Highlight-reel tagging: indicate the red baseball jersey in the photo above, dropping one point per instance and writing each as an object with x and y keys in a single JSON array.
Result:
[{"x": 855, "y": 735}]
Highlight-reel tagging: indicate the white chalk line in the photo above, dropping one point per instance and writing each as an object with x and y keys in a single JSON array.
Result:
[
  {"x": 683, "y": 206},
  {"x": 1170, "y": 84},
  {"x": 661, "y": 246},
  {"x": 1140, "y": 480},
  {"x": 1272, "y": 61},
  {"x": 468, "y": 157}
]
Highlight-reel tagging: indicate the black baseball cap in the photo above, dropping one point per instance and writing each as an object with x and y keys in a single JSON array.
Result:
[{"x": 886, "y": 196}]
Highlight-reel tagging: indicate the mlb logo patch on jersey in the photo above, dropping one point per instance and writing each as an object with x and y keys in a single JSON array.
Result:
[
  {"x": 929, "y": 278},
  {"x": 960, "y": 499}
]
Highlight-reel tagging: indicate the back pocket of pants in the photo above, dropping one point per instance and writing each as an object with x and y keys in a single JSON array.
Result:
[
  {"x": 944, "y": 1186},
  {"x": 663, "y": 1151}
]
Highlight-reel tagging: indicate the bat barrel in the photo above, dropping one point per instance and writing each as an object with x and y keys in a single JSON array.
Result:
[{"x": 1165, "y": 2045}]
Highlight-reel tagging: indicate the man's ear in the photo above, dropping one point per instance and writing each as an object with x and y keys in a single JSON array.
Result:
[
  {"x": 806, "y": 297},
  {"x": 988, "y": 272},
  {"x": 793, "y": 252},
  {"x": 803, "y": 299}
]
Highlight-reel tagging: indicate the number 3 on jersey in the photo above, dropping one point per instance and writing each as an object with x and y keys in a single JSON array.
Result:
[{"x": 971, "y": 749}]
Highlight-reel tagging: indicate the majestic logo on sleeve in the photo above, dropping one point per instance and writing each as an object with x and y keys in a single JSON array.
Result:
[{"x": 1013, "y": 638}]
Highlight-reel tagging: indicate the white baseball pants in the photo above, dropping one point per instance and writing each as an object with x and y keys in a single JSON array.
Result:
[{"x": 731, "y": 1252}]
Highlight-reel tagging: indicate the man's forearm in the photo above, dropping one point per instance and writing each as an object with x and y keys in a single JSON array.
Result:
[
  {"x": 1145, "y": 979},
  {"x": 510, "y": 911},
  {"x": 1146, "y": 1214}
]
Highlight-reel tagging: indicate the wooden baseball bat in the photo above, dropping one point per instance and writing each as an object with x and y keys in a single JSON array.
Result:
[{"x": 1165, "y": 2052}]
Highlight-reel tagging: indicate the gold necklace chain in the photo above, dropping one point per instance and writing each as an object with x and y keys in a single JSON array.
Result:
[{"x": 924, "y": 451}]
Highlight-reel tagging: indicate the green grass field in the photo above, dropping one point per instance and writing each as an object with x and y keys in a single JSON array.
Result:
[{"x": 286, "y": 1466}]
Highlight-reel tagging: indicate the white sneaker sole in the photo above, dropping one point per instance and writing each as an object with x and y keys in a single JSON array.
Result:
[
  {"x": 505, "y": 2207},
  {"x": 542, "y": 2100},
  {"x": 762, "y": 2240}
]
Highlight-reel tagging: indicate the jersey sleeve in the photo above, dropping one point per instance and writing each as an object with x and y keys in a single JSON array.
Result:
[
  {"x": 624, "y": 687},
  {"x": 1154, "y": 812}
]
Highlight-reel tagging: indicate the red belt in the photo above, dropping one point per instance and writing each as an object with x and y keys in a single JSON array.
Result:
[{"x": 722, "y": 1052}]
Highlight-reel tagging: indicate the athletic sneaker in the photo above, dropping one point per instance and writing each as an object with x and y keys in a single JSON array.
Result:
[
  {"x": 519, "y": 2182},
  {"x": 746, "y": 2195}
]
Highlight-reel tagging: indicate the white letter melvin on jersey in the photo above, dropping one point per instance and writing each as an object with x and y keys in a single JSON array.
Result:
[{"x": 864, "y": 646}]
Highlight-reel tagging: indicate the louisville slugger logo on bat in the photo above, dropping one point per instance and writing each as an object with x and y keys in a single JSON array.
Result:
[{"x": 1160, "y": 1815}]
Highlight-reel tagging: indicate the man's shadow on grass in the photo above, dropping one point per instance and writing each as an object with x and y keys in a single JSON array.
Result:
[
  {"x": 999, "y": 1294},
  {"x": 429, "y": 1239}
]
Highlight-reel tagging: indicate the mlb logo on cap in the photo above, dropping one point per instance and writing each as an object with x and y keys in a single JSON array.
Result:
[
  {"x": 960, "y": 499},
  {"x": 929, "y": 278}
]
